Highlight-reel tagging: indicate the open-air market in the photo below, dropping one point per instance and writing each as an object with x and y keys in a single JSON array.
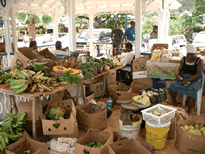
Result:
[{"x": 102, "y": 77}]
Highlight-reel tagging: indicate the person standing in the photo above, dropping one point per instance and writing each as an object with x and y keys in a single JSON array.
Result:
[
  {"x": 21, "y": 38},
  {"x": 154, "y": 34},
  {"x": 116, "y": 37},
  {"x": 129, "y": 35},
  {"x": 58, "y": 50}
]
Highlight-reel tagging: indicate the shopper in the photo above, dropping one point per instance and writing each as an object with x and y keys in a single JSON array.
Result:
[
  {"x": 116, "y": 37},
  {"x": 21, "y": 38},
  {"x": 129, "y": 56},
  {"x": 154, "y": 34},
  {"x": 188, "y": 79},
  {"x": 33, "y": 44},
  {"x": 129, "y": 35},
  {"x": 58, "y": 50}
]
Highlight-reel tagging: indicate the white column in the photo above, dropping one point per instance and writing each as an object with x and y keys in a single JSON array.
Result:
[
  {"x": 91, "y": 17},
  {"x": 13, "y": 26},
  {"x": 160, "y": 26},
  {"x": 55, "y": 28},
  {"x": 72, "y": 24},
  {"x": 7, "y": 37},
  {"x": 166, "y": 28},
  {"x": 138, "y": 27}
]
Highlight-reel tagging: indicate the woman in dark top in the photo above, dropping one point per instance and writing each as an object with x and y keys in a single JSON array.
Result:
[{"x": 188, "y": 79}]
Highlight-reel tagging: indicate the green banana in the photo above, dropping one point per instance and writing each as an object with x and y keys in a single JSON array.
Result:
[
  {"x": 11, "y": 130},
  {"x": 25, "y": 74},
  {"x": 34, "y": 88},
  {"x": 1, "y": 147},
  {"x": 15, "y": 82},
  {"x": 19, "y": 129},
  {"x": 3, "y": 142},
  {"x": 16, "y": 87},
  {"x": 19, "y": 91},
  {"x": 20, "y": 74},
  {"x": 10, "y": 115},
  {"x": 38, "y": 73},
  {"x": 14, "y": 137},
  {"x": 20, "y": 114},
  {"x": 40, "y": 64},
  {"x": 6, "y": 137},
  {"x": 32, "y": 72}
]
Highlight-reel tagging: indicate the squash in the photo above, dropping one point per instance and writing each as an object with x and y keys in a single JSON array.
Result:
[
  {"x": 74, "y": 71},
  {"x": 60, "y": 69},
  {"x": 107, "y": 68}
]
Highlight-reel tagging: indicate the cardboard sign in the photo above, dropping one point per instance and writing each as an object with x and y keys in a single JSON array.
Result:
[
  {"x": 97, "y": 88},
  {"x": 24, "y": 144},
  {"x": 97, "y": 136},
  {"x": 139, "y": 64},
  {"x": 86, "y": 120},
  {"x": 139, "y": 75},
  {"x": 127, "y": 147}
]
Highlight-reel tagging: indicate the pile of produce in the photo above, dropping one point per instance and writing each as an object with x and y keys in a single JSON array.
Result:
[
  {"x": 133, "y": 117},
  {"x": 4, "y": 75},
  {"x": 151, "y": 93},
  {"x": 62, "y": 145},
  {"x": 93, "y": 144},
  {"x": 70, "y": 78},
  {"x": 38, "y": 67},
  {"x": 159, "y": 112},
  {"x": 142, "y": 99},
  {"x": 11, "y": 129},
  {"x": 73, "y": 60},
  {"x": 197, "y": 130},
  {"x": 56, "y": 112},
  {"x": 27, "y": 80},
  {"x": 96, "y": 108},
  {"x": 94, "y": 66}
]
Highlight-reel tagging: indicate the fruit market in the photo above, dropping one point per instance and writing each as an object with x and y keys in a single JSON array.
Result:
[{"x": 121, "y": 102}]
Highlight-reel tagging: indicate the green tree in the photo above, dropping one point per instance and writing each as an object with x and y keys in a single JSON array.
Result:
[
  {"x": 80, "y": 21},
  {"x": 150, "y": 20},
  {"x": 46, "y": 19}
]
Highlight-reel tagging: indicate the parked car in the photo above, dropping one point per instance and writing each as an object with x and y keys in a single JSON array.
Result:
[
  {"x": 199, "y": 40},
  {"x": 181, "y": 39}
]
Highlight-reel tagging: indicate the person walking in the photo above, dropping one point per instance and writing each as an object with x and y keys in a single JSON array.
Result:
[
  {"x": 116, "y": 37},
  {"x": 154, "y": 34},
  {"x": 129, "y": 35}
]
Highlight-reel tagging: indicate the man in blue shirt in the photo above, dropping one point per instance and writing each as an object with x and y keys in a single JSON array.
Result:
[{"x": 129, "y": 35}]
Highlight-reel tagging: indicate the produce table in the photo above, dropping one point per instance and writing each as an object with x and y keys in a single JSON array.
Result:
[
  {"x": 162, "y": 70},
  {"x": 35, "y": 97}
]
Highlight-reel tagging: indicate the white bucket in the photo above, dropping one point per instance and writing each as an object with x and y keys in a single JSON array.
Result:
[{"x": 130, "y": 131}]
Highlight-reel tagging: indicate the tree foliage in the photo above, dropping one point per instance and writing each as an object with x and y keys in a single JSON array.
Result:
[{"x": 46, "y": 19}]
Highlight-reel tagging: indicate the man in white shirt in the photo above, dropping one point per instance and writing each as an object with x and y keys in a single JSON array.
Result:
[
  {"x": 129, "y": 56},
  {"x": 58, "y": 50}
]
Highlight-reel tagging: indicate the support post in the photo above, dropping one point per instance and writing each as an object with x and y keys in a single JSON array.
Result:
[
  {"x": 138, "y": 27},
  {"x": 126, "y": 20},
  {"x": 55, "y": 24},
  {"x": 72, "y": 24},
  {"x": 166, "y": 32},
  {"x": 7, "y": 37},
  {"x": 91, "y": 17},
  {"x": 13, "y": 26},
  {"x": 160, "y": 26}
]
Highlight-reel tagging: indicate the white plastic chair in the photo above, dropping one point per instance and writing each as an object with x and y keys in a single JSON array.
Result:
[{"x": 199, "y": 97}]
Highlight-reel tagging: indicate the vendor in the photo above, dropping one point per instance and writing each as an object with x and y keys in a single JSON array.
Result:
[
  {"x": 33, "y": 44},
  {"x": 58, "y": 50},
  {"x": 188, "y": 79},
  {"x": 127, "y": 59},
  {"x": 154, "y": 34}
]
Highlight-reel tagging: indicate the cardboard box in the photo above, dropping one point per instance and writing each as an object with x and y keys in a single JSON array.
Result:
[
  {"x": 24, "y": 56},
  {"x": 203, "y": 104},
  {"x": 160, "y": 46},
  {"x": 97, "y": 136},
  {"x": 136, "y": 88},
  {"x": 139, "y": 64},
  {"x": 111, "y": 78},
  {"x": 24, "y": 144},
  {"x": 90, "y": 97},
  {"x": 144, "y": 81},
  {"x": 127, "y": 147},
  {"x": 97, "y": 88},
  {"x": 86, "y": 120},
  {"x": 189, "y": 143},
  {"x": 67, "y": 126},
  {"x": 48, "y": 55}
]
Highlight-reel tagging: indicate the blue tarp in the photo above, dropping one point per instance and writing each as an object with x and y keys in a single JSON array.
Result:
[{"x": 1, "y": 25}]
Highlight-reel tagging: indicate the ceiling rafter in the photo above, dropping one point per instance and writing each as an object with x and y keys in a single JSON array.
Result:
[
  {"x": 42, "y": 2},
  {"x": 53, "y": 4}
]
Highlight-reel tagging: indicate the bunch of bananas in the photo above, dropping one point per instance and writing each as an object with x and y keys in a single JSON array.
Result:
[
  {"x": 5, "y": 76},
  {"x": 39, "y": 67},
  {"x": 12, "y": 128},
  {"x": 27, "y": 79}
]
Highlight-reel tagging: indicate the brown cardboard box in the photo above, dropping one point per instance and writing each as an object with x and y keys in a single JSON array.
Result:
[
  {"x": 24, "y": 144},
  {"x": 159, "y": 45},
  {"x": 203, "y": 104},
  {"x": 111, "y": 78},
  {"x": 136, "y": 88},
  {"x": 189, "y": 143},
  {"x": 24, "y": 56},
  {"x": 127, "y": 147},
  {"x": 90, "y": 97},
  {"x": 139, "y": 64},
  {"x": 48, "y": 55},
  {"x": 97, "y": 88},
  {"x": 97, "y": 136},
  {"x": 86, "y": 121},
  {"x": 67, "y": 126},
  {"x": 146, "y": 82}
]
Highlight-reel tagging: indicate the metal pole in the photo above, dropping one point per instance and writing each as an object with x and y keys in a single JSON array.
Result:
[{"x": 125, "y": 20}]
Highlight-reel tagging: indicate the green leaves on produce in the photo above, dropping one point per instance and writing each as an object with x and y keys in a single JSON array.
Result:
[
  {"x": 39, "y": 67},
  {"x": 69, "y": 77}
]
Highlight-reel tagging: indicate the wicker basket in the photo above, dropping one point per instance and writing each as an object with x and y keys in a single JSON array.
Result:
[{"x": 162, "y": 95}]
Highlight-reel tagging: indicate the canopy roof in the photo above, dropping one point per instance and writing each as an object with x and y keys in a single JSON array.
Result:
[{"x": 83, "y": 7}]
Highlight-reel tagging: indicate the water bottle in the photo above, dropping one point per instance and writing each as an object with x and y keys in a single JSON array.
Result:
[
  {"x": 109, "y": 107},
  {"x": 83, "y": 60}
]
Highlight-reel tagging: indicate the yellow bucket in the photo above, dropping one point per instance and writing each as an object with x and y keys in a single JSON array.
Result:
[{"x": 157, "y": 135}]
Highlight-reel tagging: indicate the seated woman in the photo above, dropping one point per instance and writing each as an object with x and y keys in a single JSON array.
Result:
[{"x": 188, "y": 79}]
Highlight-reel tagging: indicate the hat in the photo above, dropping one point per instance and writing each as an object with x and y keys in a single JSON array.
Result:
[
  {"x": 132, "y": 22},
  {"x": 191, "y": 48}
]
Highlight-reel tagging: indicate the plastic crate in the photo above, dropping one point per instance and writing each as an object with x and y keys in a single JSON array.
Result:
[{"x": 148, "y": 115}]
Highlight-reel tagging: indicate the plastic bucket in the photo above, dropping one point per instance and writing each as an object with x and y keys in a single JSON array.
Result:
[
  {"x": 156, "y": 135},
  {"x": 130, "y": 131}
]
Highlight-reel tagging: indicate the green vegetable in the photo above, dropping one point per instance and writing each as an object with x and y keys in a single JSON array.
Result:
[
  {"x": 96, "y": 63},
  {"x": 69, "y": 77},
  {"x": 104, "y": 141}
]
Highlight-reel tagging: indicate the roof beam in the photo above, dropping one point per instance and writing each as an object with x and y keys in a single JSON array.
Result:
[{"x": 43, "y": 2}]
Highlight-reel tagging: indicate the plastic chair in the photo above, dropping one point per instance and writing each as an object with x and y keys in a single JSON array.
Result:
[{"x": 199, "y": 97}]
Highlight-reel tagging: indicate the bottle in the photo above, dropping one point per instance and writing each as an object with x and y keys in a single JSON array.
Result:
[
  {"x": 83, "y": 60},
  {"x": 109, "y": 106}
]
